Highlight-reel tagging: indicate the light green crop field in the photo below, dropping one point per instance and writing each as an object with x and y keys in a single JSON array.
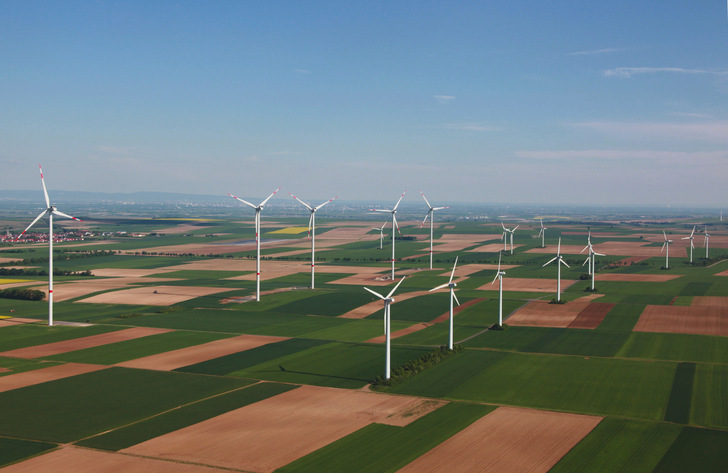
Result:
[{"x": 663, "y": 396}]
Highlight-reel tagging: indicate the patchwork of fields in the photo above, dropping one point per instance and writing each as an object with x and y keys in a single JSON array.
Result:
[{"x": 165, "y": 362}]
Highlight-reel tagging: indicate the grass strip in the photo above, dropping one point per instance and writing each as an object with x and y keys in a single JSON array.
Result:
[
  {"x": 176, "y": 419},
  {"x": 383, "y": 448},
  {"x": 678, "y": 406}
]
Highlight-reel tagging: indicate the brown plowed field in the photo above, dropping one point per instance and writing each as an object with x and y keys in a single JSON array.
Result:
[
  {"x": 50, "y": 349},
  {"x": 271, "y": 433},
  {"x": 636, "y": 277},
  {"x": 508, "y": 439},
  {"x": 710, "y": 301},
  {"x": 69, "y": 459},
  {"x": 592, "y": 315},
  {"x": 174, "y": 359},
  {"x": 29, "y": 378},
  {"x": 677, "y": 319},
  {"x": 543, "y": 314},
  {"x": 155, "y": 295},
  {"x": 370, "y": 308},
  {"x": 528, "y": 285},
  {"x": 631, "y": 260}
]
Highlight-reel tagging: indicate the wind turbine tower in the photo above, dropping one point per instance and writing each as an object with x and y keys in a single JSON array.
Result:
[
  {"x": 691, "y": 243},
  {"x": 312, "y": 232},
  {"x": 381, "y": 233},
  {"x": 387, "y": 325},
  {"x": 559, "y": 261},
  {"x": 452, "y": 286},
  {"x": 50, "y": 211},
  {"x": 431, "y": 214},
  {"x": 395, "y": 227},
  {"x": 257, "y": 208},
  {"x": 591, "y": 259},
  {"x": 511, "y": 231},
  {"x": 499, "y": 276},
  {"x": 707, "y": 241},
  {"x": 666, "y": 246},
  {"x": 542, "y": 233}
]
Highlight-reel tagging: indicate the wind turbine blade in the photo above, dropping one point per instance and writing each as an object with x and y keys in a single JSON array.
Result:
[
  {"x": 499, "y": 260},
  {"x": 45, "y": 192},
  {"x": 310, "y": 221},
  {"x": 425, "y": 219},
  {"x": 453, "y": 269},
  {"x": 330, "y": 200},
  {"x": 266, "y": 200},
  {"x": 598, "y": 254},
  {"x": 380, "y": 210},
  {"x": 400, "y": 200},
  {"x": 564, "y": 263},
  {"x": 439, "y": 287},
  {"x": 540, "y": 232},
  {"x": 59, "y": 213},
  {"x": 31, "y": 224},
  {"x": 558, "y": 250},
  {"x": 304, "y": 203},
  {"x": 440, "y": 208},
  {"x": 494, "y": 279},
  {"x": 376, "y": 294},
  {"x": 550, "y": 261},
  {"x": 423, "y": 196},
  {"x": 456, "y": 297},
  {"x": 241, "y": 200},
  {"x": 514, "y": 228},
  {"x": 663, "y": 234},
  {"x": 586, "y": 260},
  {"x": 693, "y": 232},
  {"x": 383, "y": 225},
  {"x": 395, "y": 288},
  {"x": 394, "y": 218},
  {"x": 586, "y": 247},
  {"x": 504, "y": 227},
  {"x": 541, "y": 223},
  {"x": 663, "y": 246}
]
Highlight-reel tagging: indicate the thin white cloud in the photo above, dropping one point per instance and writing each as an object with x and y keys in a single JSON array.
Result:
[
  {"x": 444, "y": 99},
  {"x": 628, "y": 72},
  {"x": 702, "y": 116},
  {"x": 680, "y": 157},
  {"x": 716, "y": 131},
  {"x": 595, "y": 52},
  {"x": 471, "y": 127}
]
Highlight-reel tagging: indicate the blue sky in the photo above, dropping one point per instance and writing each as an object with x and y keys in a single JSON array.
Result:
[{"x": 509, "y": 101}]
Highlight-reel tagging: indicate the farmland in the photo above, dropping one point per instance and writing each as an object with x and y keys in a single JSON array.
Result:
[{"x": 164, "y": 345}]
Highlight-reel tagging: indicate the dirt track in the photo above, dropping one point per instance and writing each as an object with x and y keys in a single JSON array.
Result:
[{"x": 508, "y": 439}]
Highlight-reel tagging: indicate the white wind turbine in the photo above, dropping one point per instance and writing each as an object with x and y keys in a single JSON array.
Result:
[
  {"x": 511, "y": 231},
  {"x": 452, "y": 286},
  {"x": 499, "y": 276},
  {"x": 707, "y": 241},
  {"x": 691, "y": 243},
  {"x": 50, "y": 211},
  {"x": 381, "y": 233},
  {"x": 395, "y": 227},
  {"x": 542, "y": 233},
  {"x": 257, "y": 208},
  {"x": 387, "y": 324},
  {"x": 666, "y": 245},
  {"x": 591, "y": 259},
  {"x": 312, "y": 231},
  {"x": 559, "y": 261},
  {"x": 431, "y": 214}
]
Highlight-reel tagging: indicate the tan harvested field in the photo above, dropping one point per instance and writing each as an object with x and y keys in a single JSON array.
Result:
[
  {"x": 528, "y": 285},
  {"x": 43, "y": 375},
  {"x": 17, "y": 321},
  {"x": 636, "y": 277},
  {"x": 372, "y": 307},
  {"x": 494, "y": 248},
  {"x": 217, "y": 248},
  {"x": 508, "y": 439},
  {"x": 154, "y": 295},
  {"x": 592, "y": 315},
  {"x": 710, "y": 301},
  {"x": 73, "y": 289},
  {"x": 49, "y": 349},
  {"x": 130, "y": 273},
  {"x": 368, "y": 278},
  {"x": 348, "y": 233},
  {"x": 10, "y": 260},
  {"x": 472, "y": 268},
  {"x": 174, "y": 359},
  {"x": 70, "y": 459},
  {"x": 282, "y": 428},
  {"x": 697, "y": 320},
  {"x": 543, "y": 314},
  {"x": 471, "y": 238},
  {"x": 599, "y": 234}
]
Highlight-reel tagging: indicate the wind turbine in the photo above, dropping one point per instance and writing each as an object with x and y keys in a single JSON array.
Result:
[
  {"x": 591, "y": 259},
  {"x": 707, "y": 241},
  {"x": 312, "y": 231},
  {"x": 691, "y": 243},
  {"x": 452, "y": 286},
  {"x": 395, "y": 227},
  {"x": 431, "y": 214},
  {"x": 387, "y": 323},
  {"x": 542, "y": 233},
  {"x": 511, "y": 231},
  {"x": 381, "y": 233},
  {"x": 257, "y": 208},
  {"x": 667, "y": 253},
  {"x": 559, "y": 261},
  {"x": 50, "y": 211},
  {"x": 499, "y": 276}
]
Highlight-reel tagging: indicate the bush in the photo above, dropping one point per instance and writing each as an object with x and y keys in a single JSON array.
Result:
[
  {"x": 415, "y": 366},
  {"x": 22, "y": 294}
]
